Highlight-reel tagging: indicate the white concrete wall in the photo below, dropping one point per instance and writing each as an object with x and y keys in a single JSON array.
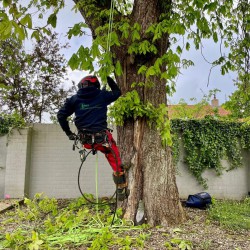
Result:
[
  {"x": 3, "y": 154},
  {"x": 232, "y": 184},
  {"x": 17, "y": 163},
  {"x": 54, "y": 166},
  {"x": 41, "y": 159}
]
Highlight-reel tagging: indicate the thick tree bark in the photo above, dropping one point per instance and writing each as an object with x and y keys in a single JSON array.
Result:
[
  {"x": 151, "y": 176},
  {"x": 152, "y": 173}
]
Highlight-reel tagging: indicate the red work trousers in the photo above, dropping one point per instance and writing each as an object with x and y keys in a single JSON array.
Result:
[{"x": 111, "y": 152}]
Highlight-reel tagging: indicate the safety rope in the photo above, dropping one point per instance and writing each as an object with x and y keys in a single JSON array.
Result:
[
  {"x": 111, "y": 17},
  {"x": 96, "y": 179},
  {"x": 80, "y": 189},
  {"x": 96, "y": 189}
]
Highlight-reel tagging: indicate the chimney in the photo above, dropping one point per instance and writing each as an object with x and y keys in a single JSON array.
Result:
[{"x": 215, "y": 102}]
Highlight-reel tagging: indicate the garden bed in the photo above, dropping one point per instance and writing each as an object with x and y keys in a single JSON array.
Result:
[{"x": 71, "y": 224}]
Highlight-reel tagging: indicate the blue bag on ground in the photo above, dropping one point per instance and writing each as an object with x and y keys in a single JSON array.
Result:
[{"x": 199, "y": 200}]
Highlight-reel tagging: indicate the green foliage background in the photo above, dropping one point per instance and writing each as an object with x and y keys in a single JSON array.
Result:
[{"x": 10, "y": 121}]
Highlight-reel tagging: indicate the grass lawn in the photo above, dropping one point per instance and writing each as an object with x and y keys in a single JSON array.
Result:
[{"x": 233, "y": 215}]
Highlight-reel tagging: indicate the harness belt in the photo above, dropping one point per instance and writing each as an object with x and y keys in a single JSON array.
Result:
[{"x": 88, "y": 137}]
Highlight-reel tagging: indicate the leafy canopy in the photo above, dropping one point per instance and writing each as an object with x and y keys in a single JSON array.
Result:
[{"x": 225, "y": 22}]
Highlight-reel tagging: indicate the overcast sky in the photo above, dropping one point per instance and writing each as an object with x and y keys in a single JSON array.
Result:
[{"x": 191, "y": 83}]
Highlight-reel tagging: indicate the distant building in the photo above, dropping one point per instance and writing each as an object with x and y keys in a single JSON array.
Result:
[{"x": 197, "y": 111}]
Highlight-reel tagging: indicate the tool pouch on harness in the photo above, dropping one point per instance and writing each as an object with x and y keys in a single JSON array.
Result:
[{"x": 93, "y": 138}]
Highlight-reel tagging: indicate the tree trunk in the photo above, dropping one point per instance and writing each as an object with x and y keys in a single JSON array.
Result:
[
  {"x": 151, "y": 176},
  {"x": 152, "y": 173}
]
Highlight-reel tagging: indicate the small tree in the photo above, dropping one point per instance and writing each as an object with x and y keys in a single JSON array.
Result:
[{"x": 31, "y": 83}]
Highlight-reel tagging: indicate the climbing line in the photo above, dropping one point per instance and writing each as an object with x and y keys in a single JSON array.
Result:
[
  {"x": 83, "y": 159},
  {"x": 96, "y": 179},
  {"x": 96, "y": 190},
  {"x": 111, "y": 16}
]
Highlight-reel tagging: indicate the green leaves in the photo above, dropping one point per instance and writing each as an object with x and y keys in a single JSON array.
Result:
[
  {"x": 9, "y": 122},
  {"x": 130, "y": 106},
  {"x": 76, "y": 30},
  {"x": 52, "y": 19},
  {"x": 68, "y": 224},
  {"x": 73, "y": 62},
  {"x": 135, "y": 35},
  {"x": 125, "y": 29},
  {"x": 26, "y": 20},
  {"x": 118, "y": 68},
  {"x": 6, "y": 3},
  {"x": 82, "y": 60},
  {"x": 36, "y": 242}
]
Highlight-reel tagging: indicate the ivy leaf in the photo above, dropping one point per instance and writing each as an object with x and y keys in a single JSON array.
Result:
[
  {"x": 124, "y": 28},
  {"x": 8, "y": 29},
  {"x": 76, "y": 30},
  {"x": 95, "y": 49},
  {"x": 164, "y": 75},
  {"x": 46, "y": 31},
  {"x": 114, "y": 39},
  {"x": 187, "y": 46},
  {"x": 179, "y": 50},
  {"x": 211, "y": 6},
  {"x": 157, "y": 32},
  {"x": 35, "y": 34},
  {"x": 137, "y": 26},
  {"x": 215, "y": 37},
  {"x": 20, "y": 31}
]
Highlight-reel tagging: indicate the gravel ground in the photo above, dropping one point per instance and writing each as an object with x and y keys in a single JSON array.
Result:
[{"x": 202, "y": 233}]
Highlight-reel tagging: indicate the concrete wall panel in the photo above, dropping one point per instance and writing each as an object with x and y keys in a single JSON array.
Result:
[{"x": 41, "y": 160}]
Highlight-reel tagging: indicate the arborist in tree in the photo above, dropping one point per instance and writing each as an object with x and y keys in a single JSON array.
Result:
[{"x": 90, "y": 107}]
